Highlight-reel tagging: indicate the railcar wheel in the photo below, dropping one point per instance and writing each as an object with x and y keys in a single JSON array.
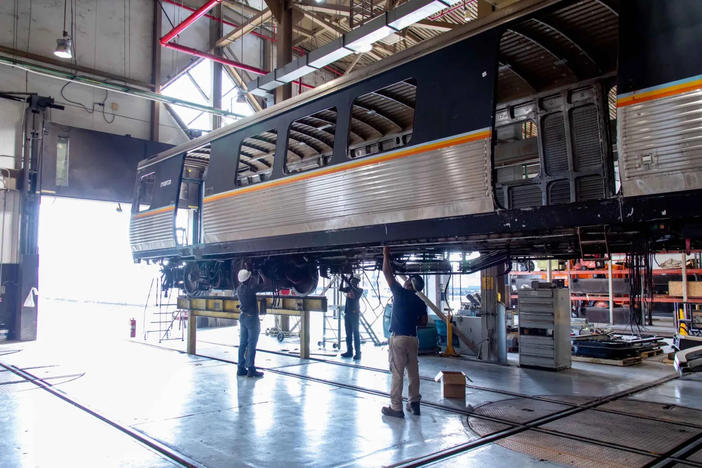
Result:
[
  {"x": 215, "y": 275},
  {"x": 307, "y": 283},
  {"x": 191, "y": 278}
]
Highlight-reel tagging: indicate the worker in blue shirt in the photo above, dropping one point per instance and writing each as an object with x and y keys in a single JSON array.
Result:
[
  {"x": 352, "y": 315},
  {"x": 249, "y": 322},
  {"x": 408, "y": 312}
]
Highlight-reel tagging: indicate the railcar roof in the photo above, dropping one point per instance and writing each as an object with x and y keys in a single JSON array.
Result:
[{"x": 543, "y": 47}]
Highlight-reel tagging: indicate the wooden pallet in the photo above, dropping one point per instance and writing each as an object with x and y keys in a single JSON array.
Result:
[
  {"x": 630, "y": 361},
  {"x": 651, "y": 353}
]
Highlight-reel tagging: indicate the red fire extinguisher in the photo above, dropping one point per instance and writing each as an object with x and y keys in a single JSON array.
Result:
[{"x": 132, "y": 328}]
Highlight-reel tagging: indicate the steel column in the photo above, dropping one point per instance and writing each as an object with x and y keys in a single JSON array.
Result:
[
  {"x": 156, "y": 73},
  {"x": 284, "y": 48}
]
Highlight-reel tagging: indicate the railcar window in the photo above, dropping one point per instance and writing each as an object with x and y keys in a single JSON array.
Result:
[
  {"x": 517, "y": 152},
  {"x": 311, "y": 141},
  {"x": 146, "y": 191},
  {"x": 256, "y": 155},
  {"x": 383, "y": 120},
  {"x": 62, "y": 162}
]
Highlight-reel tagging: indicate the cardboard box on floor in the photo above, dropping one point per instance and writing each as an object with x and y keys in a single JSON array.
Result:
[{"x": 453, "y": 384}]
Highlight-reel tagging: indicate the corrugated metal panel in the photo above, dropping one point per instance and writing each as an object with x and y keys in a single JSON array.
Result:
[
  {"x": 660, "y": 144},
  {"x": 554, "y": 143},
  {"x": 587, "y": 150},
  {"x": 525, "y": 196},
  {"x": 152, "y": 232},
  {"x": 589, "y": 188},
  {"x": 447, "y": 182},
  {"x": 559, "y": 192}
]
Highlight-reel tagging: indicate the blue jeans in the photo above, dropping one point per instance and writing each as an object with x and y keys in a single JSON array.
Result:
[
  {"x": 352, "y": 332},
  {"x": 249, "y": 328}
]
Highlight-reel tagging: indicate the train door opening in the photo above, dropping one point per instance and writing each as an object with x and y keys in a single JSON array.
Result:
[
  {"x": 189, "y": 206},
  {"x": 553, "y": 135}
]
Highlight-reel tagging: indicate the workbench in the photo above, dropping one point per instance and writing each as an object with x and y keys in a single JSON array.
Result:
[{"x": 228, "y": 307}]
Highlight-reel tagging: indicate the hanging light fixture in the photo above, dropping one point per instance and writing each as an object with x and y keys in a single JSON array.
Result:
[
  {"x": 240, "y": 97},
  {"x": 64, "y": 45}
]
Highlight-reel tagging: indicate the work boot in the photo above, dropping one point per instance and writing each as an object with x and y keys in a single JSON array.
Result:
[
  {"x": 357, "y": 357},
  {"x": 254, "y": 373},
  {"x": 388, "y": 411},
  {"x": 347, "y": 354},
  {"x": 413, "y": 407},
  {"x": 241, "y": 371}
]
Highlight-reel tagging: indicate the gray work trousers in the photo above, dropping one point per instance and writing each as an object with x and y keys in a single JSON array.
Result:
[{"x": 403, "y": 355}]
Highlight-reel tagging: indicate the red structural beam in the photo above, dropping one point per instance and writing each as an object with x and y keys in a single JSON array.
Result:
[
  {"x": 299, "y": 50},
  {"x": 189, "y": 20},
  {"x": 217, "y": 58}
]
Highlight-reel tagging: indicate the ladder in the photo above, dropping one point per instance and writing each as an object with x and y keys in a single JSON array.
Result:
[
  {"x": 593, "y": 244},
  {"x": 368, "y": 327},
  {"x": 163, "y": 320}
]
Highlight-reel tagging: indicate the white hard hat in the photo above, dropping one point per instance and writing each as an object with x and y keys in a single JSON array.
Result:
[{"x": 243, "y": 275}]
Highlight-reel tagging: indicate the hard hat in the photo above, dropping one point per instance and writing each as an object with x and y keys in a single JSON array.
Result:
[
  {"x": 243, "y": 275},
  {"x": 417, "y": 282}
]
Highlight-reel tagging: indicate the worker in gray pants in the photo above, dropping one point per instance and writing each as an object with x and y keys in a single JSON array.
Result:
[{"x": 408, "y": 312}]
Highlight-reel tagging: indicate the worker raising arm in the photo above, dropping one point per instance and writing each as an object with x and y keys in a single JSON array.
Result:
[{"x": 408, "y": 311}]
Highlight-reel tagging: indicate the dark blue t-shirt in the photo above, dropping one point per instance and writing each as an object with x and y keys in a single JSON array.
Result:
[
  {"x": 246, "y": 292},
  {"x": 353, "y": 304},
  {"x": 407, "y": 307}
]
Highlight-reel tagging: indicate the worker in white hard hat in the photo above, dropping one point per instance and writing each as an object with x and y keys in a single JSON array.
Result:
[{"x": 249, "y": 322}]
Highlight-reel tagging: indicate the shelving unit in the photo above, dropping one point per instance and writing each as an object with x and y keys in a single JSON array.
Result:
[{"x": 688, "y": 305}]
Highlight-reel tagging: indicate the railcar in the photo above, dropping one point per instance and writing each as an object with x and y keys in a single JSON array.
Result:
[{"x": 550, "y": 128}]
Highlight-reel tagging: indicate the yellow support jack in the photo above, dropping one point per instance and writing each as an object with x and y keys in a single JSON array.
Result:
[{"x": 450, "y": 352}]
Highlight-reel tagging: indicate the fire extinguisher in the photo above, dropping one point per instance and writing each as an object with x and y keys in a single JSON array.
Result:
[{"x": 132, "y": 328}]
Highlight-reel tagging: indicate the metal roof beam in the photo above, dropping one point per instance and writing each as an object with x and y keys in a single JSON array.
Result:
[
  {"x": 370, "y": 110},
  {"x": 245, "y": 28},
  {"x": 570, "y": 40},
  {"x": 560, "y": 60},
  {"x": 505, "y": 65}
]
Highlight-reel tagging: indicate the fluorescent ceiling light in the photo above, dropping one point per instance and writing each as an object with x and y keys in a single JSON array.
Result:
[
  {"x": 293, "y": 70},
  {"x": 268, "y": 82},
  {"x": 361, "y": 44},
  {"x": 412, "y": 12},
  {"x": 63, "y": 46},
  {"x": 375, "y": 30},
  {"x": 330, "y": 58},
  {"x": 364, "y": 48},
  {"x": 328, "y": 53}
]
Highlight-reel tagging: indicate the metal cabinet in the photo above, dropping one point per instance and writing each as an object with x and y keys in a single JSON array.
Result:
[{"x": 544, "y": 327}]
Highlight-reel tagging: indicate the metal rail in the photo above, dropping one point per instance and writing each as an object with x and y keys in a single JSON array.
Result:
[
  {"x": 515, "y": 428},
  {"x": 143, "y": 438}
]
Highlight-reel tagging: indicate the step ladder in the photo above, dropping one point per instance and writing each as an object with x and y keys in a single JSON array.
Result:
[
  {"x": 593, "y": 244},
  {"x": 164, "y": 320},
  {"x": 368, "y": 327}
]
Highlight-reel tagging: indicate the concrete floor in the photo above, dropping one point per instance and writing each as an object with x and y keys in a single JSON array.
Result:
[{"x": 321, "y": 412}]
